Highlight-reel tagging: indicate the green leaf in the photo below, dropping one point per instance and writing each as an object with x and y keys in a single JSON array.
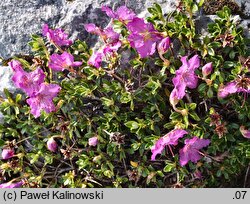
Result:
[
  {"x": 192, "y": 106},
  {"x": 169, "y": 168},
  {"x": 133, "y": 125},
  {"x": 201, "y": 3},
  {"x": 210, "y": 93},
  {"x": 194, "y": 116}
]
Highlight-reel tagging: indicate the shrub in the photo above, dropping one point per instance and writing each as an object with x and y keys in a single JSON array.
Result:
[{"x": 158, "y": 105}]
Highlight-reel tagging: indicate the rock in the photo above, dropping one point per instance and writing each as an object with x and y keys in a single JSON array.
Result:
[
  {"x": 6, "y": 81},
  {"x": 245, "y": 7},
  {"x": 20, "y": 18}
]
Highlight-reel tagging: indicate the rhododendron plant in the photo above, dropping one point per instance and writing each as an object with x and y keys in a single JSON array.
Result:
[
  {"x": 43, "y": 99},
  {"x": 11, "y": 185},
  {"x": 57, "y": 36},
  {"x": 64, "y": 61},
  {"x": 169, "y": 139},
  {"x": 143, "y": 37},
  {"x": 107, "y": 115},
  {"x": 190, "y": 152},
  {"x": 7, "y": 153},
  {"x": 122, "y": 14}
]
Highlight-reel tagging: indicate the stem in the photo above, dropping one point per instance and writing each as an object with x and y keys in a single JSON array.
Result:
[
  {"x": 23, "y": 140},
  {"x": 114, "y": 75},
  {"x": 166, "y": 62},
  {"x": 58, "y": 47},
  {"x": 245, "y": 180},
  {"x": 170, "y": 148}
]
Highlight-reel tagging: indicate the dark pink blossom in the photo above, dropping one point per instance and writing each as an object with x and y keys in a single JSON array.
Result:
[
  {"x": 29, "y": 82},
  {"x": 52, "y": 145},
  {"x": 245, "y": 133},
  {"x": 122, "y": 14},
  {"x": 93, "y": 141},
  {"x": 228, "y": 89},
  {"x": 7, "y": 153},
  {"x": 111, "y": 48},
  {"x": 92, "y": 28},
  {"x": 241, "y": 84},
  {"x": 108, "y": 34},
  {"x": 43, "y": 99},
  {"x": 190, "y": 152},
  {"x": 57, "y": 36},
  {"x": 184, "y": 77},
  {"x": 11, "y": 185},
  {"x": 143, "y": 37},
  {"x": 207, "y": 69},
  {"x": 164, "y": 45},
  {"x": 59, "y": 62},
  {"x": 15, "y": 65},
  {"x": 169, "y": 139},
  {"x": 112, "y": 43},
  {"x": 96, "y": 59}
]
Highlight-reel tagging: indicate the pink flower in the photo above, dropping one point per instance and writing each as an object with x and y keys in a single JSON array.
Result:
[
  {"x": 112, "y": 43},
  {"x": 169, "y": 139},
  {"x": 122, "y": 14},
  {"x": 197, "y": 174},
  {"x": 43, "y": 99},
  {"x": 207, "y": 69},
  {"x": 111, "y": 48},
  {"x": 52, "y": 145},
  {"x": 108, "y": 34},
  {"x": 93, "y": 141},
  {"x": 29, "y": 82},
  {"x": 57, "y": 36},
  {"x": 185, "y": 77},
  {"x": 92, "y": 28},
  {"x": 7, "y": 153},
  {"x": 190, "y": 152},
  {"x": 230, "y": 88},
  {"x": 245, "y": 133},
  {"x": 15, "y": 65},
  {"x": 143, "y": 37},
  {"x": 96, "y": 59},
  {"x": 59, "y": 62},
  {"x": 164, "y": 45},
  {"x": 241, "y": 84},
  {"x": 11, "y": 185}
]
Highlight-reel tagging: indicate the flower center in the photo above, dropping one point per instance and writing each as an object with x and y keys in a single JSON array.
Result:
[
  {"x": 243, "y": 83},
  {"x": 147, "y": 35}
]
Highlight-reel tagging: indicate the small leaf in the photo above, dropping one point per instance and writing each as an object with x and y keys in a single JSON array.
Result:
[{"x": 134, "y": 164}]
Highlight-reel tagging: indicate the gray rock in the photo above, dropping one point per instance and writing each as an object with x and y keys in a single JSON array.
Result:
[
  {"x": 6, "y": 74},
  {"x": 1, "y": 118},
  {"x": 245, "y": 7},
  {"x": 20, "y": 18}
]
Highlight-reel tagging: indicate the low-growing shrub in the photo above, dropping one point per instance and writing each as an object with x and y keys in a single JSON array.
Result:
[{"x": 157, "y": 105}]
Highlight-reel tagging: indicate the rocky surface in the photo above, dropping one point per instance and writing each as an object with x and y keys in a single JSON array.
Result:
[
  {"x": 245, "y": 7},
  {"x": 20, "y": 18},
  {"x": 6, "y": 82}
]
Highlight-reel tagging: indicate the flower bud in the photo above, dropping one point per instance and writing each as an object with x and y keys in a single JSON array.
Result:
[
  {"x": 164, "y": 45},
  {"x": 97, "y": 159},
  {"x": 52, "y": 145},
  {"x": 7, "y": 153},
  {"x": 245, "y": 133},
  {"x": 93, "y": 141},
  {"x": 11, "y": 185},
  {"x": 207, "y": 69}
]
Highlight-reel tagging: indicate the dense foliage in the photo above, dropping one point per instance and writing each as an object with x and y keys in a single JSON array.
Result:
[{"x": 95, "y": 118}]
